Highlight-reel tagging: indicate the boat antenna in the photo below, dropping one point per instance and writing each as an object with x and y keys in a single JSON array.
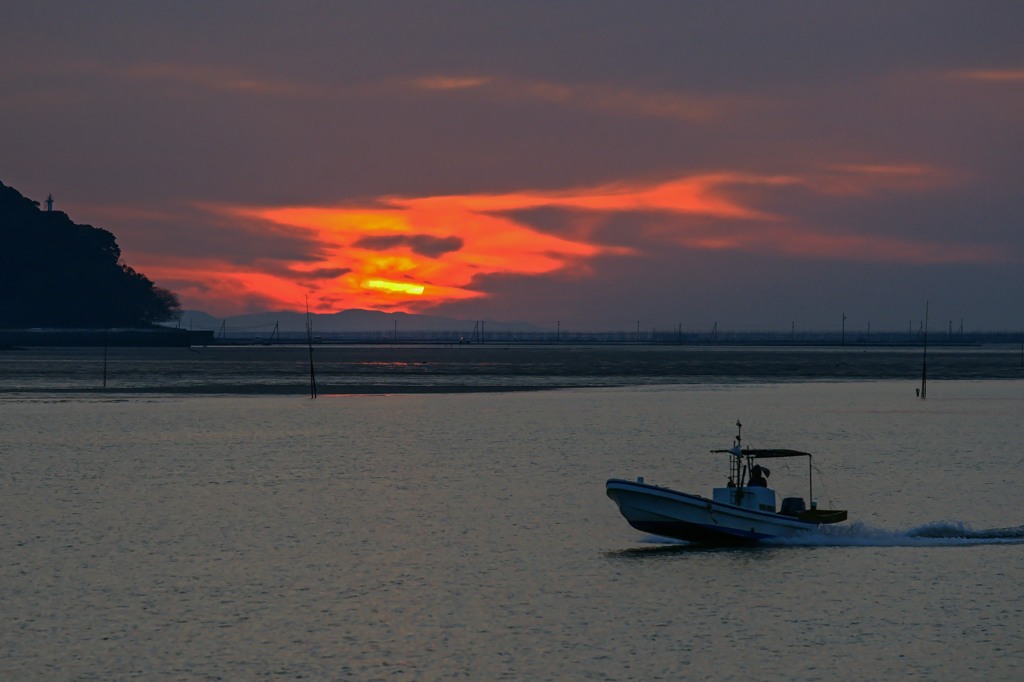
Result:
[{"x": 741, "y": 471}]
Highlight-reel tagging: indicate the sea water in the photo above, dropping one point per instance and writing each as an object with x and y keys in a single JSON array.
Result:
[{"x": 468, "y": 536}]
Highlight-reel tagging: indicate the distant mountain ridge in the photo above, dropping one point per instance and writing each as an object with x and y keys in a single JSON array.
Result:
[{"x": 345, "y": 321}]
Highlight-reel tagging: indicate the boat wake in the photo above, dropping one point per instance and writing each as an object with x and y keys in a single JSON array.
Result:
[
  {"x": 935, "y": 534},
  {"x": 858, "y": 534}
]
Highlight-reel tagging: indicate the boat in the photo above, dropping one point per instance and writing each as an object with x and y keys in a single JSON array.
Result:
[{"x": 742, "y": 512}]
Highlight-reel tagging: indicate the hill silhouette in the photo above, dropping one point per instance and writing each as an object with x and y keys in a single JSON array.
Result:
[{"x": 56, "y": 273}]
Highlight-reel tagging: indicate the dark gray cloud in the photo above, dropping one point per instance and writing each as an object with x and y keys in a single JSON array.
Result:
[{"x": 423, "y": 244}]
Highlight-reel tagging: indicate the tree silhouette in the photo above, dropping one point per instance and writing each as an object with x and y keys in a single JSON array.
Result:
[{"x": 56, "y": 273}]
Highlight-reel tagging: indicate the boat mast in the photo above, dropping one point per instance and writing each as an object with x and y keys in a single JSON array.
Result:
[{"x": 738, "y": 459}]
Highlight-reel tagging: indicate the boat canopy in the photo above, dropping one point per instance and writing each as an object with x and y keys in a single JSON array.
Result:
[
  {"x": 775, "y": 452},
  {"x": 765, "y": 454}
]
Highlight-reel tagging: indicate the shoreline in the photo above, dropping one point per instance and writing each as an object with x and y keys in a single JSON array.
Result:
[{"x": 494, "y": 369}]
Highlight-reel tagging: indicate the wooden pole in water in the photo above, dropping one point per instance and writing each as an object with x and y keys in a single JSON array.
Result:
[
  {"x": 104, "y": 358},
  {"x": 309, "y": 342},
  {"x": 810, "y": 481},
  {"x": 924, "y": 357}
]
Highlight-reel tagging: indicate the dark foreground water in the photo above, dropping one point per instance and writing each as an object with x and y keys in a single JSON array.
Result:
[{"x": 420, "y": 536}]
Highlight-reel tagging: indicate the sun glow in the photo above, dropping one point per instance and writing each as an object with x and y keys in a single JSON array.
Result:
[{"x": 394, "y": 287}]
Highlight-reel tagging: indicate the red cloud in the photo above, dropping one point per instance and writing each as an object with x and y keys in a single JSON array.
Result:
[{"x": 411, "y": 253}]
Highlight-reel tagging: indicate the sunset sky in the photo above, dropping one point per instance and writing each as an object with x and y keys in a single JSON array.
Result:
[{"x": 588, "y": 164}]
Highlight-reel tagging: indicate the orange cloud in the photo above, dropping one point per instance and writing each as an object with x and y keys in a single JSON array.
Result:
[
  {"x": 199, "y": 76},
  {"x": 863, "y": 179},
  {"x": 618, "y": 100},
  {"x": 452, "y": 82},
  {"x": 217, "y": 285},
  {"x": 990, "y": 75},
  {"x": 413, "y": 253},
  {"x": 809, "y": 242}
]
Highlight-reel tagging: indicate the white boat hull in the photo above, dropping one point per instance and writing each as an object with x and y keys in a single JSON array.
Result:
[{"x": 672, "y": 514}]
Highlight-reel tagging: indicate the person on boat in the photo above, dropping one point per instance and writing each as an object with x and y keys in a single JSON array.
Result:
[{"x": 757, "y": 477}]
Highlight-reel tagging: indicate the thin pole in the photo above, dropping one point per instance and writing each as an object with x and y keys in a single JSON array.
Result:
[
  {"x": 104, "y": 358},
  {"x": 309, "y": 342},
  {"x": 924, "y": 358},
  {"x": 810, "y": 480}
]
